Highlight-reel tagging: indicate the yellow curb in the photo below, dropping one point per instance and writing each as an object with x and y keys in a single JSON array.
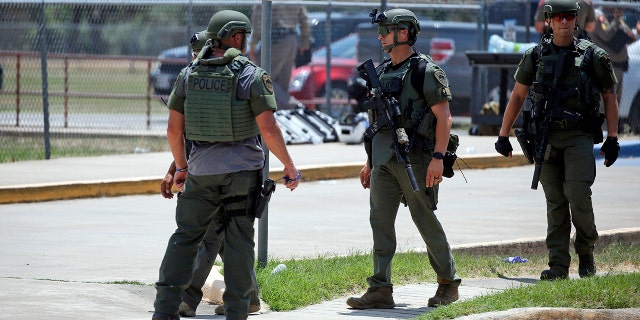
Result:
[{"x": 151, "y": 185}]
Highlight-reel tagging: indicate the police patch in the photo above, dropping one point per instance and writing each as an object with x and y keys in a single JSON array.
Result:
[
  {"x": 266, "y": 80},
  {"x": 441, "y": 77},
  {"x": 606, "y": 60}
]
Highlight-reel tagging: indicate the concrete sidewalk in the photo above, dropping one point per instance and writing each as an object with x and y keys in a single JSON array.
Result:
[
  {"x": 118, "y": 175},
  {"x": 61, "y": 258}
]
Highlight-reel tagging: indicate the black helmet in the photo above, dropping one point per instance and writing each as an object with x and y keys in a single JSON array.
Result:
[
  {"x": 198, "y": 40},
  {"x": 552, "y": 7}
]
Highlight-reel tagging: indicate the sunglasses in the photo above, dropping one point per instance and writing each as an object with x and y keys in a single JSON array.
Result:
[
  {"x": 569, "y": 16},
  {"x": 385, "y": 30}
]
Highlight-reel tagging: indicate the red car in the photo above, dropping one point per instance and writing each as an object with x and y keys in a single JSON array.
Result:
[{"x": 308, "y": 82}]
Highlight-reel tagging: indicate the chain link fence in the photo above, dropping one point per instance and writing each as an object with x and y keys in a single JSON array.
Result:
[{"x": 82, "y": 78}]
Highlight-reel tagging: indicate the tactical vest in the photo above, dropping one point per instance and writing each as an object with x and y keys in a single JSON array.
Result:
[
  {"x": 412, "y": 102},
  {"x": 212, "y": 110},
  {"x": 575, "y": 76}
]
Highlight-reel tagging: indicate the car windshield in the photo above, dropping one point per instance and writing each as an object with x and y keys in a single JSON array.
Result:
[{"x": 342, "y": 48}]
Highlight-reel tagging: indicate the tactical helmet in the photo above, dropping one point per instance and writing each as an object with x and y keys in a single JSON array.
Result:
[
  {"x": 226, "y": 23},
  {"x": 198, "y": 40},
  {"x": 402, "y": 17},
  {"x": 552, "y": 7}
]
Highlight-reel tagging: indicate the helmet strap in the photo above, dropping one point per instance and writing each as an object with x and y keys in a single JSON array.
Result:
[{"x": 390, "y": 47}]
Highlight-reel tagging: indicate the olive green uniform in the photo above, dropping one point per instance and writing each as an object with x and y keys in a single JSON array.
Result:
[
  {"x": 389, "y": 180},
  {"x": 568, "y": 174},
  {"x": 223, "y": 179}
]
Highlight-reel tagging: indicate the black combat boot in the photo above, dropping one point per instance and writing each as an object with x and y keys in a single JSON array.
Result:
[
  {"x": 374, "y": 298},
  {"x": 556, "y": 272},
  {"x": 586, "y": 266},
  {"x": 164, "y": 316}
]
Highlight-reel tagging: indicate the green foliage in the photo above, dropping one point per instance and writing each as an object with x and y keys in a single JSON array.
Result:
[
  {"x": 612, "y": 291},
  {"x": 311, "y": 281}
]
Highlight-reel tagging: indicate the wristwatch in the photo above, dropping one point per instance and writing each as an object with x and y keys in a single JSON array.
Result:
[{"x": 438, "y": 155}]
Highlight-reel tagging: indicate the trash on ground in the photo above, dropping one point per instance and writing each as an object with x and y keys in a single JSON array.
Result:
[{"x": 516, "y": 259}]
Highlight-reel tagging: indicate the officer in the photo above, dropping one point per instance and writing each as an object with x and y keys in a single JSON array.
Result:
[
  {"x": 569, "y": 170},
  {"x": 212, "y": 241},
  {"x": 422, "y": 89},
  {"x": 586, "y": 21},
  {"x": 225, "y": 104},
  {"x": 614, "y": 36}
]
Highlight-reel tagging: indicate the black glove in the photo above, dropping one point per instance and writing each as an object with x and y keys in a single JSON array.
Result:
[
  {"x": 503, "y": 146},
  {"x": 610, "y": 147}
]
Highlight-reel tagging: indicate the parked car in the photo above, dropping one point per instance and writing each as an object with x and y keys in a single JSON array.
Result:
[
  {"x": 629, "y": 104},
  {"x": 309, "y": 82},
  {"x": 342, "y": 24},
  {"x": 447, "y": 42},
  {"x": 166, "y": 70}
]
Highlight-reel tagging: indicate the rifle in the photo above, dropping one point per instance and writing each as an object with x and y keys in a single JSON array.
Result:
[
  {"x": 546, "y": 109},
  {"x": 388, "y": 115}
]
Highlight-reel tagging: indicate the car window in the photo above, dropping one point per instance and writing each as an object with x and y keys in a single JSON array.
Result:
[{"x": 342, "y": 48}]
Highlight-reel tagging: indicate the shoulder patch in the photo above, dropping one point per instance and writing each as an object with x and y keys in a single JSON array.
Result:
[
  {"x": 604, "y": 59},
  {"x": 266, "y": 81},
  {"x": 441, "y": 77}
]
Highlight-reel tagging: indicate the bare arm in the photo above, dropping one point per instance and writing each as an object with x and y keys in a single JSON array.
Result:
[
  {"x": 443, "y": 128},
  {"x": 511, "y": 113},
  {"x": 175, "y": 131},
  {"x": 272, "y": 136},
  {"x": 611, "y": 111}
]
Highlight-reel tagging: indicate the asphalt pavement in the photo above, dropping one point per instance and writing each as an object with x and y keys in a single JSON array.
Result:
[{"x": 85, "y": 258}]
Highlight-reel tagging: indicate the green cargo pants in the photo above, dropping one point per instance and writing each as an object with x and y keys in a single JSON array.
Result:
[
  {"x": 203, "y": 204},
  {"x": 566, "y": 179},
  {"x": 388, "y": 183}
]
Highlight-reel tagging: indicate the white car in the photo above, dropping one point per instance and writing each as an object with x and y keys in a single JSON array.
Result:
[{"x": 629, "y": 104}]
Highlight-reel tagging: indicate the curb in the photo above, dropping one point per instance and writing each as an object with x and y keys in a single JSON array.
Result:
[
  {"x": 151, "y": 185},
  {"x": 538, "y": 245}
]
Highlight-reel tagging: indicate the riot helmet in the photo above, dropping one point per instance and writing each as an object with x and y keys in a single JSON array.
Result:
[
  {"x": 396, "y": 19},
  {"x": 552, "y": 7},
  {"x": 198, "y": 40},
  {"x": 226, "y": 23}
]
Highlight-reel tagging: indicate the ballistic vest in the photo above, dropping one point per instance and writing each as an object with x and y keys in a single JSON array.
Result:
[
  {"x": 212, "y": 112},
  {"x": 575, "y": 76},
  {"x": 413, "y": 105}
]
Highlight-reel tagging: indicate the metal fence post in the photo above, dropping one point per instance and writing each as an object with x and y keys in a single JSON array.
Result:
[
  {"x": 45, "y": 81},
  {"x": 265, "y": 62}
]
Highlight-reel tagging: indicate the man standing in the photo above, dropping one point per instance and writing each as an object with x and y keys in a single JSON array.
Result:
[
  {"x": 569, "y": 76},
  {"x": 212, "y": 242},
  {"x": 224, "y": 103},
  {"x": 422, "y": 90},
  {"x": 614, "y": 36},
  {"x": 290, "y": 34},
  {"x": 585, "y": 24}
]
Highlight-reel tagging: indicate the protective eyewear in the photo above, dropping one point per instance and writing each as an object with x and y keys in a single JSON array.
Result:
[
  {"x": 385, "y": 30},
  {"x": 569, "y": 16}
]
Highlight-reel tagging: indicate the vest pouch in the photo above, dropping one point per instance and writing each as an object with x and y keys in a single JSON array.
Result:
[{"x": 447, "y": 163}]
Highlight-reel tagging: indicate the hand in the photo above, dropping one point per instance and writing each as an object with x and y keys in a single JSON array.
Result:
[
  {"x": 291, "y": 177},
  {"x": 365, "y": 176},
  {"x": 165, "y": 186},
  {"x": 609, "y": 150},
  {"x": 434, "y": 172},
  {"x": 503, "y": 146},
  {"x": 179, "y": 178}
]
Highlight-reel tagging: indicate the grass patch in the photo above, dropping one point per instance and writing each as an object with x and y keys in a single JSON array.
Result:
[
  {"x": 32, "y": 148},
  {"x": 611, "y": 291},
  {"x": 311, "y": 281}
]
